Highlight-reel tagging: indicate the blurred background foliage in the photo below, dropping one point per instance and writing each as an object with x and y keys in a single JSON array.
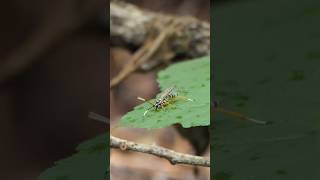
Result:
[
  {"x": 44, "y": 104},
  {"x": 266, "y": 65}
]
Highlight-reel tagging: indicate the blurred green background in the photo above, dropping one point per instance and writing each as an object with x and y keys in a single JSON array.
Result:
[{"x": 267, "y": 57}]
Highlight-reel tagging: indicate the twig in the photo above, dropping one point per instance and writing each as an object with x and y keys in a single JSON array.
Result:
[
  {"x": 172, "y": 156},
  {"x": 143, "y": 54},
  {"x": 98, "y": 117}
]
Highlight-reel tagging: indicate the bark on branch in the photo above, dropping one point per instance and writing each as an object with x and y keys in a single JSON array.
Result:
[
  {"x": 132, "y": 25},
  {"x": 172, "y": 156}
]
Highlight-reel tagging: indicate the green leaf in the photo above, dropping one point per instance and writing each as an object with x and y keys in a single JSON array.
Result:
[
  {"x": 192, "y": 80},
  {"x": 270, "y": 55},
  {"x": 91, "y": 162}
]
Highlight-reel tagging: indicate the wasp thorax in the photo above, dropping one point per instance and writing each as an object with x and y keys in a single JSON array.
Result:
[
  {"x": 158, "y": 104},
  {"x": 167, "y": 97}
]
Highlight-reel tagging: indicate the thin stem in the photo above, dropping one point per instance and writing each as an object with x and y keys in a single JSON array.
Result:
[{"x": 239, "y": 115}]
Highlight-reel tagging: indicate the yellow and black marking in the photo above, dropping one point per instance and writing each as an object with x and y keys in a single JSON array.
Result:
[{"x": 167, "y": 97}]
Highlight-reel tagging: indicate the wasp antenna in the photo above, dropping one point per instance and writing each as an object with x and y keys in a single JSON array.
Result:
[
  {"x": 184, "y": 98},
  {"x": 144, "y": 100},
  {"x": 147, "y": 110},
  {"x": 140, "y": 98}
]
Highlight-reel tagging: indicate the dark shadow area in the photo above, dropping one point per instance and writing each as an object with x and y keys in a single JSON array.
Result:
[{"x": 53, "y": 71}]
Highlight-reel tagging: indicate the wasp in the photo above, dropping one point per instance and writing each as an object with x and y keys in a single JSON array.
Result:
[{"x": 166, "y": 97}]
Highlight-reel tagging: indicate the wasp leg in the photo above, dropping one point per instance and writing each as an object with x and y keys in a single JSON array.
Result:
[
  {"x": 184, "y": 98},
  {"x": 164, "y": 108},
  {"x": 173, "y": 106}
]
